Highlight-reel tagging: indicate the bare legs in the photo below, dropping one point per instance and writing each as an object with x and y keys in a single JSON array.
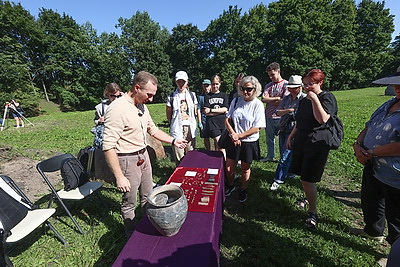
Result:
[
  {"x": 310, "y": 189},
  {"x": 231, "y": 169}
]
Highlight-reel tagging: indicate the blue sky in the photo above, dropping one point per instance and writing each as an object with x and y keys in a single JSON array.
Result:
[{"x": 104, "y": 14}]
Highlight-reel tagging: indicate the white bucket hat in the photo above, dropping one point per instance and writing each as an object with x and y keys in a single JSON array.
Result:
[
  {"x": 393, "y": 79},
  {"x": 294, "y": 81}
]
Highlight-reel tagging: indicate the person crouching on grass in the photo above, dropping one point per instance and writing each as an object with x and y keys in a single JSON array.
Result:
[{"x": 244, "y": 120}]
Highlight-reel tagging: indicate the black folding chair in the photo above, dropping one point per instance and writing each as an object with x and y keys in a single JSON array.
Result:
[
  {"x": 54, "y": 164},
  {"x": 13, "y": 197}
]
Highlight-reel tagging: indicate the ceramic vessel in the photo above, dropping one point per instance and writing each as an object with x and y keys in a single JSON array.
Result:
[{"x": 166, "y": 209}]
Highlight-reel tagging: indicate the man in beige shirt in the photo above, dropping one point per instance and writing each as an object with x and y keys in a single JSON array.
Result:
[{"x": 127, "y": 121}]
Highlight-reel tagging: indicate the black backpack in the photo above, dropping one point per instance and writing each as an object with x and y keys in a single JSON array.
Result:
[
  {"x": 73, "y": 174},
  {"x": 85, "y": 156}
]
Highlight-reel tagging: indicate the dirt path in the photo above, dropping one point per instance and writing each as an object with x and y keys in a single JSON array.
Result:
[{"x": 23, "y": 172}]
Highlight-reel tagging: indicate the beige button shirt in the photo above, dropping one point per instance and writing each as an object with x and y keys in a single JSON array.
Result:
[{"x": 126, "y": 125}]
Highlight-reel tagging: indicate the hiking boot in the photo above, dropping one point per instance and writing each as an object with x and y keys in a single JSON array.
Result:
[
  {"x": 229, "y": 189},
  {"x": 274, "y": 186},
  {"x": 242, "y": 195},
  {"x": 361, "y": 232}
]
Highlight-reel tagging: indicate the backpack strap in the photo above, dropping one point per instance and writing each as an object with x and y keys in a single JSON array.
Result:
[
  {"x": 102, "y": 109},
  {"x": 171, "y": 100}
]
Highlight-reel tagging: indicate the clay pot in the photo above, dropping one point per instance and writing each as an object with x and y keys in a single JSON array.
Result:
[{"x": 166, "y": 209}]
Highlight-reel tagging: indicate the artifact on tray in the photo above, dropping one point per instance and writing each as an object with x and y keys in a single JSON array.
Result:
[{"x": 167, "y": 208}]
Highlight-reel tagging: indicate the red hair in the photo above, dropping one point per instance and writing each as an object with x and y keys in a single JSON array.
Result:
[{"x": 315, "y": 75}]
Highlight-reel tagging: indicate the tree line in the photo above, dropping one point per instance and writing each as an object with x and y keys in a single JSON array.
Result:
[{"x": 55, "y": 58}]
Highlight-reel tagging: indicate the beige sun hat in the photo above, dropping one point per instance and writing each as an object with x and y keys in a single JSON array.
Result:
[{"x": 294, "y": 81}]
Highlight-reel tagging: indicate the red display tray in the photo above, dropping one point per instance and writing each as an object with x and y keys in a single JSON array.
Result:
[{"x": 200, "y": 186}]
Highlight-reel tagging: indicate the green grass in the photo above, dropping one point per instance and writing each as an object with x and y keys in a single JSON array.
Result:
[{"x": 267, "y": 230}]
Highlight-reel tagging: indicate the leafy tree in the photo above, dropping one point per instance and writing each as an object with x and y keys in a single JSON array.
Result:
[
  {"x": 221, "y": 41},
  {"x": 63, "y": 59},
  {"x": 17, "y": 33},
  {"x": 299, "y": 37},
  {"x": 253, "y": 37},
  {"x": 186, "y": 52},
  {"x": 106, "y": 62},
  {"x": 341, "y": 51},
  {"x": 19, "y": 37},
  {"x": 375, "y": 26},
  {"x": 145, "y": 42}
]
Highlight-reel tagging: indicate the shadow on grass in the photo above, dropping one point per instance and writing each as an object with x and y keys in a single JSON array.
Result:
[{"x": 268, "y": 230}]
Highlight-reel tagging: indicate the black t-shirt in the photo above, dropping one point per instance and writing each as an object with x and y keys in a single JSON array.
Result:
[
  {"x": 213, "y": 101},
  {"x": 305, "y": 120}
]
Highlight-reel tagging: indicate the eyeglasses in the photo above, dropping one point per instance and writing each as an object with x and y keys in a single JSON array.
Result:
[
  {"x": 308, "y": 84},
  {"x": 117, "y": 96},
  {"x": 247, "y": 89}
]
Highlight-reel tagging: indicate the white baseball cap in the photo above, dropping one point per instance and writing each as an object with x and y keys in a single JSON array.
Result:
[{"x": 181, "y": 75}]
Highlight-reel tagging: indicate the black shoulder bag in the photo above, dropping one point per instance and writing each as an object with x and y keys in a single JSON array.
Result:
[{"x": 225, "y": 139}]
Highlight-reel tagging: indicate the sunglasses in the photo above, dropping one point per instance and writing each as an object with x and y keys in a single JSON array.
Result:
[
  {"x": 117, "y": 96},
  {"x": 308, "y": 84},
  {"x": 247, "y": 89}
]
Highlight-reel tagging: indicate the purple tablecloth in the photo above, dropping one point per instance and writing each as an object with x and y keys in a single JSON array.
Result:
[{"x": 196, "y": 243}]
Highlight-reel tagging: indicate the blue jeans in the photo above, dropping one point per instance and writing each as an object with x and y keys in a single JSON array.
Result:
[
  {"x": 270, "y": 130},
  {"x": 283, "y": 167}
]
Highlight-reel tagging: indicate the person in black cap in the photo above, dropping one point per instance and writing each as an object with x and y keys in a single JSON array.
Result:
[{"x": 377, "y": 147}]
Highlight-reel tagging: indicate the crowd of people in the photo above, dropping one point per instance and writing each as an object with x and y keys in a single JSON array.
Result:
[{"x": 296, "y": 110}]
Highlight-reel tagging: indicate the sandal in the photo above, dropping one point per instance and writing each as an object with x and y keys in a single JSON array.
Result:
[
  {"x": 311, "y": 221},
  {"x": 301, "y": 203}
]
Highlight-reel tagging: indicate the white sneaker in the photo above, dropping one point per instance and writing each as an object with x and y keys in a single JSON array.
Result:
[{"x": 274, "y": 186}]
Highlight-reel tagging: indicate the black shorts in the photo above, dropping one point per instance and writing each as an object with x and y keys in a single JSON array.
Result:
[
  {"x": 204, "y": 132},
  {"x": 308, "y": 159},
  {"x": 214, "y": 132},
  {"x": 246, "y": 152}
]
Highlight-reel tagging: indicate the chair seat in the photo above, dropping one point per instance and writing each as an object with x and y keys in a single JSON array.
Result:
[
  {"x": 33, "y": 219},
  {"x": 80, "y": 192}
]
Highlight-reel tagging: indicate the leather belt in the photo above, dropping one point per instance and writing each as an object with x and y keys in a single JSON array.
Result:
[{"x": 141, "y": 151}]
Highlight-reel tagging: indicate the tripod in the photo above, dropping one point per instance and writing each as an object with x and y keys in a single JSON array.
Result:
[
  {"x": 15, "y": 110},
  {"x": 3, "y": 122}
]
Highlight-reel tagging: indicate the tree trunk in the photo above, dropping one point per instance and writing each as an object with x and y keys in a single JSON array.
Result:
[{"x": 45, "y": 91}]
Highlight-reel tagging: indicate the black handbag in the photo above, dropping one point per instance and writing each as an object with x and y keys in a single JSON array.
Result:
[{"x": 225, "y": 139}]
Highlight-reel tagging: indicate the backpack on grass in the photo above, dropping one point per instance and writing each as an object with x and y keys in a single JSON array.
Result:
[{"x": 73, "y": 174}]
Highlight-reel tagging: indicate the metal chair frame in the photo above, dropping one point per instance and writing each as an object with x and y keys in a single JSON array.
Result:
[
  {"x": 31, "y": 222},
  {"x": 54, "y": 164}
]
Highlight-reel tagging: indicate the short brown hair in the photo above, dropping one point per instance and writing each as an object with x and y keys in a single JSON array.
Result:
[
  {"x": 111, "y": 89},
  {"x": 273, "y": 66},
  {"x": 143, "y": 77}
]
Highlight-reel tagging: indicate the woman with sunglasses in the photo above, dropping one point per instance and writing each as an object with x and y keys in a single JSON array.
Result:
[
  {"x": 111, "y": 92},
  {"x": 244, "y": 120},
  {"x": 309, "y": 148}
]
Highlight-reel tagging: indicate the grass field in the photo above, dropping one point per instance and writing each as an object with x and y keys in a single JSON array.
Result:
[{"x": 267, "y": 230}]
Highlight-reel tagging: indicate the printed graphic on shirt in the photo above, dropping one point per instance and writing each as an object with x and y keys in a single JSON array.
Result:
[{"x": 184, "y": 110}]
